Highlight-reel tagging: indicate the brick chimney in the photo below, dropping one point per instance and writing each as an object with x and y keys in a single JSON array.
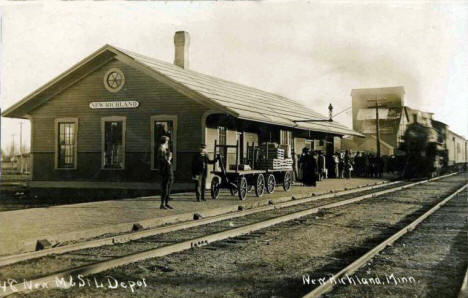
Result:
[{"x": 182, "y": 43}]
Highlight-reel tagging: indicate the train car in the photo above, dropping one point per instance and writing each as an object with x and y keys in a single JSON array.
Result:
[{"x": 456, "y": 151}]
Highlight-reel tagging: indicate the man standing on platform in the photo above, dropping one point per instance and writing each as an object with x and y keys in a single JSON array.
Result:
[
  {"x": 164, "y": 157},
  {"x": 200, "y": 171},
  {"x": 336, "y": 164},
  {"x": 322, "y": 170}
]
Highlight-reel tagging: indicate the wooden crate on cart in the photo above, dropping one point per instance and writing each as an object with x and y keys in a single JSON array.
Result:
[{"x": 240, "y": 180}]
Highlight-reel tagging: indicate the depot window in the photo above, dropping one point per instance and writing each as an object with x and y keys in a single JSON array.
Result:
[
  {"x": 66, "y": 140},
  {"x": 113, "y": 142}
]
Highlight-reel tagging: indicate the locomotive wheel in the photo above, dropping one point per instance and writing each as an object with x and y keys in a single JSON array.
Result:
[
  {"x": 260, "y": 185},
  {"x": 215, "y": 188},
  {"x": 271, "y": 183},
  {"x": 242, "y": 188},
  {"x": 287, "y": 181}
]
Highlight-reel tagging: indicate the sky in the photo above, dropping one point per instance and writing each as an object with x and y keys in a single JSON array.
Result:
[{"x": 314, "y": 52}]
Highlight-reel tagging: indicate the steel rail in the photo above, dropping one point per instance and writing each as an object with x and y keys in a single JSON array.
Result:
[
  {"x": 58, "y": 280},
  {"x": 354, "y": 266},
  {"x": 123, "y": 238}
]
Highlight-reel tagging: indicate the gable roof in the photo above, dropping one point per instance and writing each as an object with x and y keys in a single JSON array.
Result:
[{"x": 232, "y": 98}]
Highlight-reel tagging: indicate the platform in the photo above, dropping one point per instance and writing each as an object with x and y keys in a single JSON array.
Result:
[{"x": 20, "y": 229}]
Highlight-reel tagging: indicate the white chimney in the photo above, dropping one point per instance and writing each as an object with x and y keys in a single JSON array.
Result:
[{"x": 182, "y": 43}]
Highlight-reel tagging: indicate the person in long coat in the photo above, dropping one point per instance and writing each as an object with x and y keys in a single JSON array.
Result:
[
  {"x": 313, "y": 169},
  {"x": 164, "y": 157},
  {"x": 302, "y": 163},
  {"x": 309, "y": 168},
  {"x": 341, "y": 165},
  {"x": 348, "y": 164},
  {"x": 336, "y": 164},
  {"x": 322, "y": 170},
  {"x": 367, "y": 165},
  {"x": 200, "y": 171}
]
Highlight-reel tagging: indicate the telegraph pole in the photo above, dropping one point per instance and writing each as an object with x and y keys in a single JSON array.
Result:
[
  {"x": 377, "y": 130},
  {"x": 21, "y": 147},
  {"x": 13, "y": 144}
]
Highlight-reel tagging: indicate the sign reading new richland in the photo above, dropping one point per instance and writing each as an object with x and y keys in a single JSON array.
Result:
[{"x": 127, "y": 104}]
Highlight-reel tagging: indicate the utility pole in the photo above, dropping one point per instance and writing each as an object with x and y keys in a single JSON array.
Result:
[
  {"x": 21, "y": 147},
  {"x": 13, "y": 144},
  {"x": 21, "y": 138},
  {"x": 377, "y": 130}
]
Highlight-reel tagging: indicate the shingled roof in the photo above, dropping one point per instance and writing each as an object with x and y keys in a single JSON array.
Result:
[{"x": 238, "y": 100}]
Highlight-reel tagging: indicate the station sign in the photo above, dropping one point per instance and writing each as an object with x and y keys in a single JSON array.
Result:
[{"x": 126, "y": 104}]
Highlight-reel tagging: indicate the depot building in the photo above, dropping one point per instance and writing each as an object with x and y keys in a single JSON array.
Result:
[{"x": 99, "y": 123}]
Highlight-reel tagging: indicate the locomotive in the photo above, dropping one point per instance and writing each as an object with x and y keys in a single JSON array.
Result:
[{"x": 423, "y": 156}]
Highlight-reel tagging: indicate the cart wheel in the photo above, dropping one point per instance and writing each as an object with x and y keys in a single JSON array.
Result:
[
  {"x": 287, "y": 181},
  {"x": 260, "y": 185},
  {"x": 271, "y": 184},
  {"x": 215, "y": 188},
  {"x": 242, "y": 187}
]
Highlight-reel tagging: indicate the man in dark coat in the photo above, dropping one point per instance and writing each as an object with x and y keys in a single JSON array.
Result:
[
  {"x": 341, "y": 165},
  {"x": 164, "y": 157},
  {"x": 336, "y": 164},
  {"x": 348, "y": 164},
  {"x": 303, "y": 164},
  {"x": 310, "y": 170},
  {"x": 200, "y": 171}
]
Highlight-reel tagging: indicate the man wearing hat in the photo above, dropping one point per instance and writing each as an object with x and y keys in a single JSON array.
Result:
[{"x": 199, "y": 172}]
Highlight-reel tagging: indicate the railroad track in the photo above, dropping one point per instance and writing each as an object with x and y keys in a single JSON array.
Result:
[
  {"x": 135, "y": 235},
  {"x": 82, "y": 260},
  {"x": 426, "y": 258}
]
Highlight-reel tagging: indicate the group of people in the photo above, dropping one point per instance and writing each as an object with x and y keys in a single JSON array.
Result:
[
  {"x": 315, "y": 166},
  {"x": 166, "y": 170},
  {"x": 368, "y": 165}
]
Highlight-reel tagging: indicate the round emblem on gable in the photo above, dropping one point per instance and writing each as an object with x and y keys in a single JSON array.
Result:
[{"x": 114, "y": 80}]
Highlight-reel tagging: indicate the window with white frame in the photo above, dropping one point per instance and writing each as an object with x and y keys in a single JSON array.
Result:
[
  {"x": 113, "y": 142},
  {"x": 66, "y": 143},
  {"x": 163, "y": 125}
]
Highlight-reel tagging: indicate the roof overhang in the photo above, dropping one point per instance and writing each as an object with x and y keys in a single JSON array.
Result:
[{"x": 315, "y": 127}]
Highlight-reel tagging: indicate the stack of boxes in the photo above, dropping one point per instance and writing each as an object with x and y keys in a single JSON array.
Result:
[{"x": 272, "y": 157}]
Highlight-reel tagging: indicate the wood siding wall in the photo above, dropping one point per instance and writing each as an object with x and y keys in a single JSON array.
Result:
[{"x": 154, "y": 98}]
